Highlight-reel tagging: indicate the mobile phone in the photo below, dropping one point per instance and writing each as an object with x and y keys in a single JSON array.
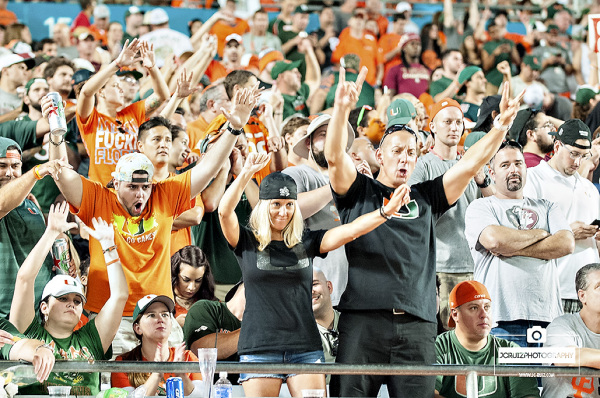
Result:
[{"x": 596, "y": 223}]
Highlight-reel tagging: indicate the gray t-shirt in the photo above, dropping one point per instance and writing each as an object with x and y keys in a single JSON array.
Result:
[
  {"x": 452, "y": 249},
  {"x": 8, "y": 102},
  {"x": 554, "y": 76},
  {"x": 570, "y": 331},
  {"x": 335, "y": 265},
  {"x": 522, "y": 287}
]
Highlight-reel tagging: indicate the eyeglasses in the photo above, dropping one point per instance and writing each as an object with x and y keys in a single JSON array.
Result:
[
  {"x": 512, "y": 144},
  {"x": 129, "y": 79},
  {"x": 576, "y": 155},
  {"x": 362, "y": 114},
  {"x": 397, "y": 127},
  {"x": 332, "y": 341},
  {"x": 548, "y": 125}
]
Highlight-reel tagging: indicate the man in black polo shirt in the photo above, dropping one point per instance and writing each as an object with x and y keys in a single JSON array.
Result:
[{"x": 391, "y": 279}]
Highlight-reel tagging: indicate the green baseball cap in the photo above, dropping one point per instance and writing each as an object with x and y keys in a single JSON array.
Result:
[
  {"x": 467, "y": 73},
  {"x": 472, "y": 139},
  {"x": 34, "y": 80},
  {"x": 552, "y": 27},
  {"x": 400, "y": 111},
  {"x": 532, "y": 61},
  {"x": 301, "y": 9},
  {"x": 145, "y": 302},
  {"x": 5, "y": 143},
  {"x": 283, "y": 66},
  {"x": 585, "y": 94}
]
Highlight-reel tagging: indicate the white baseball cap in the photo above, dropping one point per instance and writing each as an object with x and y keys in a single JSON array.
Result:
[
  {"x": 132, "y": 163},
  {"x": 301, "y": 149},
  {"x": 11, "y": 59},
  {"x": 61, "y": 285},
  {"x": 158, "y": 16}
]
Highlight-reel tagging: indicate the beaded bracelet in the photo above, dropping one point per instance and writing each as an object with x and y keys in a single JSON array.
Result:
[{"x": 36, "y": 172}]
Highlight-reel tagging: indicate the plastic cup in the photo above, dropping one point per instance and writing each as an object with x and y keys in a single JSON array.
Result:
[
  {"x": 207, "y": 359},
  {"x": 59, "y": 391}
]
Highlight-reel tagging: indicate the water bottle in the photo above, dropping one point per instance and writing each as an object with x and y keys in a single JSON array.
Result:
[
  {"x": 139, "y": 392},
  {"x": 20, "y": 375},
  {"x": 223, "y": 387}
]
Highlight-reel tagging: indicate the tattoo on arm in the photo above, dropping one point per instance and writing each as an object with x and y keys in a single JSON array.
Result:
[{"x": 152, "y": 103}]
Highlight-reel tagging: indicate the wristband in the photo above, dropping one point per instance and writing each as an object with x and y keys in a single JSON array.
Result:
[
  {"x": 382, "y": 212},
  {"x": 108, "y": 250},
  {"x": 499, "y": 126},
  {"x": 112, "y": 262},
  {"x": 36, "y": 173},
  {"x": 48, "y": 346},
  {"x": 62, "y": 139},
  {"x": 486, "y": 182},
  {"x": 234, "y": 131}
]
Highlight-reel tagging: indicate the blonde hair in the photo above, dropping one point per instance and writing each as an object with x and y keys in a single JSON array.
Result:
[{"x": 260, "y": 224}]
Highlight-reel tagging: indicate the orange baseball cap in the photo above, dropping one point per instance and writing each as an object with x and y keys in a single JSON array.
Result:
[
  {"x": 463, "y": 293},
  {"x": 444, "y": 103},
  {"x": 267, "y": 57}
]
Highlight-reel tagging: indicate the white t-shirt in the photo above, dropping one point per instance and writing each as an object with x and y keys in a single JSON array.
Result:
[
  {"x": 166, "y": 42},
  {"x": 578, "y": 200}
]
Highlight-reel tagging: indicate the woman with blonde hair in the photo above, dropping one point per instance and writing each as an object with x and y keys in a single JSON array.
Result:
[{"x": 275, "y": 255}]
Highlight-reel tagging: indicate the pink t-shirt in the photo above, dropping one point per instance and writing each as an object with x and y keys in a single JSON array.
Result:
[{"x": 413, "y": 80}]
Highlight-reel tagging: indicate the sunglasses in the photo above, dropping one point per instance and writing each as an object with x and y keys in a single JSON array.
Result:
[{"x": 397, "y": 127}]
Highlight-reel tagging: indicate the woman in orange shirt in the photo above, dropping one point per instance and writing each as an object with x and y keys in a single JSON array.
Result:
[
  {"x": 192, "y": 280},
  {"x": 152, "y": 326}
]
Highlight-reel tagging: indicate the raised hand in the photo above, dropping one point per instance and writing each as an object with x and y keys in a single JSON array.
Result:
[
  {"x": 128, "y": 54},
  {"x": 147, "y": 51},
  {"x": 236, "y": 161},
  {"x": 364, "y": 168},
  {"x": 504, "y": 68},
  {"x": 255, "y": 162},
  {"x": 399, "y": 198},
  {"x": 275, "y": 143},
  {"x": 244, "y": 101},
  {"x": 52, "y": 168},
  {"x": 102, "y": 232},
  {"x": 347, "y": 93},
  {"x": 509, "y": 107},
  {"x": 184, "y": 85},
  {"x": 57, "y": 218}
]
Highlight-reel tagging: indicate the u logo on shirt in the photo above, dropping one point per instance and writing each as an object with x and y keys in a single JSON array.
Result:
[{"x": 409, "y": 211}]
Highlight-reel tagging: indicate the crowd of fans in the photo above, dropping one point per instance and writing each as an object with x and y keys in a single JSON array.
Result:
[{"x": 295, "y": 196}]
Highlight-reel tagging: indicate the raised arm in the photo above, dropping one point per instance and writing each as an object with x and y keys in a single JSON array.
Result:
[
  {"x": 364, "y": 224},
  {"x": 243, "y": 102},
  {"x": 458, "y": 177},
  {"x": 85, "y": 101},
  {"x": 109, "y": 317},
  {"x": 182, "y": 91},
  {"x": 22, "y": 309},
  {"x": 15, "y": 192},
  {"x": 342, "y": 171},
  {"x": 161, "y": 90},
  {"x": 227, "y": 217},
  {"x": 67, "y": 179}
]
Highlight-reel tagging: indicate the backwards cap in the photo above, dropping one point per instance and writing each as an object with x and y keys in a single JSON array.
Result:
[
  {"x": 463, "y": 293},
  {"x": 132, "y": 163}
]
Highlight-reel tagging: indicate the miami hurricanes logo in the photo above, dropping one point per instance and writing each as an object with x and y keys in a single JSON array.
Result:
[
  {"x": 127, "y": 227},
  {"x": 409, "y": 211}
]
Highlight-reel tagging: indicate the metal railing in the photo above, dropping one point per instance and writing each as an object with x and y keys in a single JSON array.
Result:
[{"x": 471, "y": 372}]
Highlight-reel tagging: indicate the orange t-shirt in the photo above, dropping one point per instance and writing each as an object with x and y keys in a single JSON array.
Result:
[
  {"x": 196, "y": 130},
  {"x": 120, "y": 379},
  {"x": 382, "y": 23},
  {"x": 103, "y": 141},
  {"x": 222, "y": 30},
  {"x": 215, "y": 71},
  {"x": 143, "y": 242},
  {"x": 366, "y": 48},
  {"x": 8, "y": 17},
  {"x": 388, "y": 43}
]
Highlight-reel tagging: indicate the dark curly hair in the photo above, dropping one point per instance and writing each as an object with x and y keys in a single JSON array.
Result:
[{"x": 196, "y": 258}]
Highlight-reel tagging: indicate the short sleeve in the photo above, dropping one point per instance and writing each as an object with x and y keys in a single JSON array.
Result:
[
  {"x": 173, "y": 194},
  {"x": 312, "y": 242},
  {"x": 556, "y": 219},
  {"x": 433, "y": 191},
  {"x": 477, "y": 218},
  {"x": 201, "y": 320},
  {"x": 560, "y": 334}
]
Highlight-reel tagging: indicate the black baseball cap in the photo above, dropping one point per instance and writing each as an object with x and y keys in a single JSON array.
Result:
[
  {"x": 573, "y": 130},
  {"x": 278, "y": 186},
  {"x": 489, "y": 104},
  {"x": 517, "y": 128}
]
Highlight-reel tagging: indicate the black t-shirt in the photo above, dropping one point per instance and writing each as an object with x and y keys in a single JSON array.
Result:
[
  {"x": 394, "y": 265},
  {"x": 278, "y": 283}
]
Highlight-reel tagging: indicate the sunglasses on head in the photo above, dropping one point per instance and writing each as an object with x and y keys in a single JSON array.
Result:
[
  {"x": 397, "y": 127},
  {"x": 512, "y": 144}
]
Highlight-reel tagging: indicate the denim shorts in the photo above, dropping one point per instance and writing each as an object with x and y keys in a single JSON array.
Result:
[{"x": 280, "y": 357}]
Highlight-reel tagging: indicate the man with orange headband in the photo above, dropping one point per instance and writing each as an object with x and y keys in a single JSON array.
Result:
[{"x": 471, "y": 344}]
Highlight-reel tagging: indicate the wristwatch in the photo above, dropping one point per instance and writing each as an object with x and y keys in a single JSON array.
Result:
[
  {"x": 499, "y": 126},
  {"x": 486, "y": 182},
  {"x": 234, "y": 131}
]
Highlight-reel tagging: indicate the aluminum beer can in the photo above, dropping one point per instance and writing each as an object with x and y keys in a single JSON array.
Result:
[
  {"x": 56, "y": 116},
  {"x": 61, "y": 255},
  {"x": 175, "y": 387}
]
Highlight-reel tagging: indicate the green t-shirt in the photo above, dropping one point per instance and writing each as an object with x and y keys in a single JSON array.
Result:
[
  {"x": 22, "y": 132},
  {"x": 10, "y": 328},
  {"x": 439, "y": 86},
  {"x": 286, "y": 35},
  {"x": 20, "y": 230},
  {"x": 207, "y": 317},
  {"x": 367, "y": 93},
  {"x": 293, "y": 104},
  {"x": 449, "y": 351},
  {"x": 493, "y": 76},
  {"x": 208, "y": 236},
  {"x": 83, "y": 345}
]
